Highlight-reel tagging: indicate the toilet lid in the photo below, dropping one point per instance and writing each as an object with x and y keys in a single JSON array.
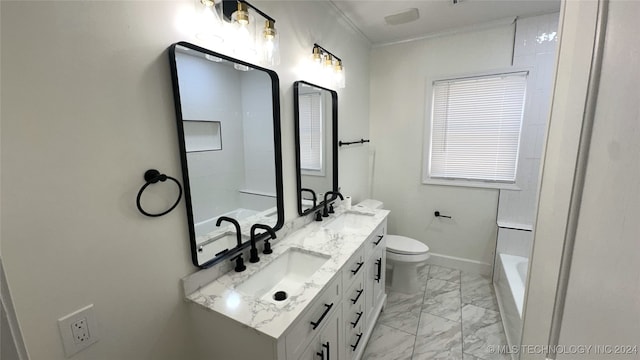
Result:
[{"x": 405, "y": 246}]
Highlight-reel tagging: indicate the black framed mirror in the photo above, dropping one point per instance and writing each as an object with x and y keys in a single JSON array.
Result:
[
  {"x": 316, "y": 132},
  {"x": 228, "y": 120}
]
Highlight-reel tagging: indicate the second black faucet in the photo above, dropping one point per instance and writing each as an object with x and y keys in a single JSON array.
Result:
[
  {"x": 325, "y": 211},
  {"x": 253, "y": 253}
]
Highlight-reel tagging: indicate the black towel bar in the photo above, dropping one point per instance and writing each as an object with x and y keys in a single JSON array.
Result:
[{"x": 361, "y": 141}]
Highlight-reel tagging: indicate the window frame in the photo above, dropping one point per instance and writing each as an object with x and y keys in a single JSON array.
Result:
[
  {"x": 321, "y": 170},
  {"x": 428, "y": 123}
]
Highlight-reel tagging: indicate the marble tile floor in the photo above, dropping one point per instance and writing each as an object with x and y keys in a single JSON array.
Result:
[{"x": 454, "y": 316}]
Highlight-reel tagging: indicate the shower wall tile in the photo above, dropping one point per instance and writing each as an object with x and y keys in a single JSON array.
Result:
[{"x": 535, "y": 49}]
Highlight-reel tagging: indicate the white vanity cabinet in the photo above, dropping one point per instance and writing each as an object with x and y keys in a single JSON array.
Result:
[
  {"x": 335, "y": 325},
  {"x": 355, "y": 319},
  {"x": 375, "y": 274},
  {"x": 327, "y": 345}
]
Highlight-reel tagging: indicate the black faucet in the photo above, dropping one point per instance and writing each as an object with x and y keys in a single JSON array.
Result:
[
  {"x": 235, "y": 223},
  {"x": 313, "y": 194},
  {"x": 267, "y": 247},
  {"x": 325, "y": 211},
  {"x": 240, "y": 267}
]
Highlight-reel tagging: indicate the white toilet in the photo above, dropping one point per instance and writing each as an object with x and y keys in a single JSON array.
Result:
[{"x": 404, "y": 255}]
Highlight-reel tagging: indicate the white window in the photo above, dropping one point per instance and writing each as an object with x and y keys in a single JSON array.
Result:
[
  {"x": 475, "y": 129},
  {"x": 311, "y": 133}
]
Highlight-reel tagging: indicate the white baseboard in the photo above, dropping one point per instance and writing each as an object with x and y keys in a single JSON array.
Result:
[{"x": 462, "y": 264}]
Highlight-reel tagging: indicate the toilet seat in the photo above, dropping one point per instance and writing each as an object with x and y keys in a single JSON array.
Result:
[{"x": 403, "y": 245}]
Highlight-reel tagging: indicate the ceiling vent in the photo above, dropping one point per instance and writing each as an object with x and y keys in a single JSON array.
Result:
[{"x": 403, "y": 17}]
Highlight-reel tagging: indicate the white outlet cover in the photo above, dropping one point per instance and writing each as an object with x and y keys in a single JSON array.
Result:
[{"x": 72, "y": 347}]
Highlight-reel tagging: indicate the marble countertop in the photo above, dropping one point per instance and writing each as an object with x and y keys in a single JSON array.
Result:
[{"x": 274, "y": 318}]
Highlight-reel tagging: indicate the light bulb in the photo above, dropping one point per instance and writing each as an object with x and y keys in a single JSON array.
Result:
[
  {"x": 328, "y": 61},
  {"x": 339, "y": 74},
  {"x": 317, "y": 56},
  {"x": 327, "y": 68},
  {"x": 209, "y": 25},
  {"x": 244, "y": 40},
  {"x": 270, "y": 44}
]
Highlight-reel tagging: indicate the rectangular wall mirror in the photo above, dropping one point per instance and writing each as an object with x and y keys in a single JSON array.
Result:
[
  {"x": 228, "y": 116},
  {"x": 316, "y": 131}
]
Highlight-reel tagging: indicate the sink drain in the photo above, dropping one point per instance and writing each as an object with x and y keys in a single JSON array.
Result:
[{"x": 280, "y": 295}]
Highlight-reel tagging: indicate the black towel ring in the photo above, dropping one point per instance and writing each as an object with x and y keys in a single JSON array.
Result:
[{"x": 152, "y": 176}]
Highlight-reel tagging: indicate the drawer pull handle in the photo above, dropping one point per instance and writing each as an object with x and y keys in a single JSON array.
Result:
[
  {"x": 354, "y": 323},
  {"x": 321, "y": 353},
  {"x": 357, "y": 297},
  {"x": 326, "y": 311},
  {"x": 355, "y": 346},
  {"x": 379, "y": 265},
  {"x": 380, "y": 237},
  {"x": 355, "y": 271}
]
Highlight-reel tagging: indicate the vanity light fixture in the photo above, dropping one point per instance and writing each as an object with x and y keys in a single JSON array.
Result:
[
  {"x": 266, "y": 47},
  {"x": 233, "y": 21},
  {"x": 330, "y": 64}
]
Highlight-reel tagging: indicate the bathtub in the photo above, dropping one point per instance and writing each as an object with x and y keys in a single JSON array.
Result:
[
  {"x": 515, "y": 271},
  {"x": 509, "y": 282}
]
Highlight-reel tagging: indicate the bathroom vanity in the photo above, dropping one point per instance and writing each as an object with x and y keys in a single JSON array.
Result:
[{"x": 331, "y": 277}]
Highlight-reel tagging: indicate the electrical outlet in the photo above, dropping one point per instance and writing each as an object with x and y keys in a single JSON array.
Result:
[{"x": 78, "y": 330}]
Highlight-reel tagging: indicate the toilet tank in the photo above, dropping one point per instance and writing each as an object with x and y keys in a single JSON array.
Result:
[{"x": 371, "y": 204}]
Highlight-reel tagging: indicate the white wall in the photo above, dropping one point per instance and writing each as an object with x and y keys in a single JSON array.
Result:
[
  {"x": 603, "y": 295},
  {"x": 399, "y": 77},
  {"x": 87, "y": 108},
  {"x": 602, "y": 306}
]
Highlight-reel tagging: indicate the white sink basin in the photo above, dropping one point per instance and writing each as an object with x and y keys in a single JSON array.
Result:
[
  {"x": 288, "y": 273},
  {"x": 350, "y": 220}
]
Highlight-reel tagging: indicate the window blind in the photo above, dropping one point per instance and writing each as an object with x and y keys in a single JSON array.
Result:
[
  {"x": 475, "y": 127},
  {"x": 310, "y": 119}
]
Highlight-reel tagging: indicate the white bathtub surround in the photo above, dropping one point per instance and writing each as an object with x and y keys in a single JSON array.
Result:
[
  {"x": 273, "y": 318},
  {"x": 535, "y": 49},
  {"x": 509, "y": 282},
  {"x": 514, "y": 239},
  {"x": 510, "y": 274}
]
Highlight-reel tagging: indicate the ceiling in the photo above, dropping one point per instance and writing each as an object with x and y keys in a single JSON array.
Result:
[{"x": 436, "y": 16}]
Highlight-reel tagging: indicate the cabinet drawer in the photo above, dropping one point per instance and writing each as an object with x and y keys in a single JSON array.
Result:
[
  {"x": 353, "y": 268},
  {"x": 354, "y": 318},
  {"x": 354, "y": 341},
  {"x": 375, "y": 240},
  {"x": 313, "y": 319},
  {"x": 328, "y": 344},
  {"x": 355, "y": 295}
]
